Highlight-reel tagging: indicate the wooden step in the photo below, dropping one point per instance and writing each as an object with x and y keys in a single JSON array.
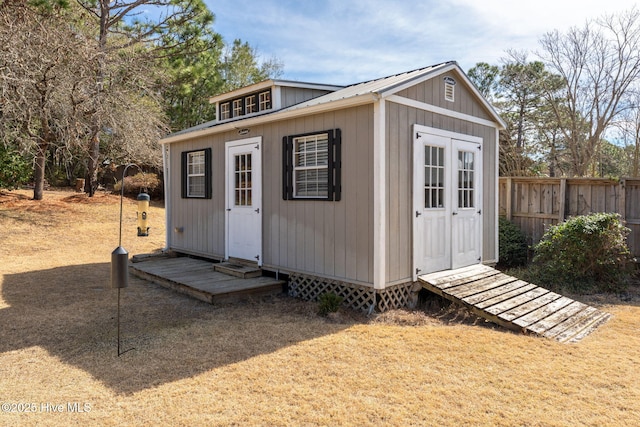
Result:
[{"x": 237, "y": 269}]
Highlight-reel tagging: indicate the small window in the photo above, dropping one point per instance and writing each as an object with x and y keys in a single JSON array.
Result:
[
  {"x": 312, "y": 166},
  {"x": 265, "y": 100},
  {"x": 237, "y": 107},
  {"x": 196, "y": 174},
  {"x": 225, "y": 111},
  {"x": 250, "y": 105}
]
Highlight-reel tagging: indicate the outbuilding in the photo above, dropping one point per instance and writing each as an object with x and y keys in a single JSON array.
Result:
[{"x": 355, "y": 190}]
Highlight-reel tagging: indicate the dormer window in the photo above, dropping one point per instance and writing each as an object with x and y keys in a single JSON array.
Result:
[
  {"x": 265, "y": 100},
  {"x": 225, "y": 111},
  {"x": 247, "y": 104},
  {"x": 237, "y": 107},
  {"x": 250, "y": 104}
]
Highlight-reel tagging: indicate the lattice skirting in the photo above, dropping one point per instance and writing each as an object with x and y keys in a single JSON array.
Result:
[{"x": 359, "y": 297}]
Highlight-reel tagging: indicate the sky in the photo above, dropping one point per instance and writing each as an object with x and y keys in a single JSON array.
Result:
[{"x": 350, "y": 41}]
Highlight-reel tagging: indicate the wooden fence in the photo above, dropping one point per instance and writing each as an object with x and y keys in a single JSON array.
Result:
[{"x": 535, "y": 203}]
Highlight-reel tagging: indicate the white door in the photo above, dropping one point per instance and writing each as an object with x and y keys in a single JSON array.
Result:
[
  {"x": 446, "y": 200},
  {"x": 466, "y": 224},
  {"x": 244, "y": 199}
]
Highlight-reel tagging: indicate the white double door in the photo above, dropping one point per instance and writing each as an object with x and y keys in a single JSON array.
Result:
[
  {"x": 447, "y": 215},
  {"x": 243, "y": 232}
]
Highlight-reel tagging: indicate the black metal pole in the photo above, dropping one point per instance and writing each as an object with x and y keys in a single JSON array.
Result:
[{"x": 124, "y": 172}]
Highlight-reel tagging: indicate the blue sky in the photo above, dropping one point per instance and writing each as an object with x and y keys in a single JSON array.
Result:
[{"x": 349, "y": 41}]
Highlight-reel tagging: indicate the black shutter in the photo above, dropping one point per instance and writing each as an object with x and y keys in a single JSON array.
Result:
[
  {"x": 287, "y": 168},
  {"x": 208, "y": 185},
  {"x": 337, "y": 165},
  {"x": 183, "y": 174}
]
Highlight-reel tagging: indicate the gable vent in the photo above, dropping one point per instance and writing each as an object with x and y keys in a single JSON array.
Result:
[{"x": 449, "y": 89}]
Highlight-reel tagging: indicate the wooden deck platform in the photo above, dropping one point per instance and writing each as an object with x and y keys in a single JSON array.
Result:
[
  {"x": 198, "y": 279},
  {"x": 515, "y": 304}
]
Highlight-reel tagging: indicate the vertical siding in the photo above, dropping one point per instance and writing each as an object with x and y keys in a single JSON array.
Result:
[
  {"x": 291, "y": 95},
  {"x": 399, "y": 145},
  {"x": 201, "y": 219},
  {"x": 332, "y": 239}
]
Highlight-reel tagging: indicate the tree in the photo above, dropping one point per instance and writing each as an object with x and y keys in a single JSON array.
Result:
[
  {"x": 43, "y": 62},
  {"x": 119, "y": 27},
  {"x": 486, "y": 79},
  {"x": 241, "y": 68},
  {"x": 598, "y": 64},
  {"x": 518, "y": 89}
]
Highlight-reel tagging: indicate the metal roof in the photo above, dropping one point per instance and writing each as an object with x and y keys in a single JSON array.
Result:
[
  {"x": 378, "y": 86},
  {"x": 369, "y": 90}
]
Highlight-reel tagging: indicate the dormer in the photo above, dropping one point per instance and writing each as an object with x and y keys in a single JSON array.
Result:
[{"x": 264, "y": 97}]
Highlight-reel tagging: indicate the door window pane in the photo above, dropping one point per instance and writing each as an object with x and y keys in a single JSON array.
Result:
[
  {"x": 466, "y": 183},
  {"x": 433, "y": 177},
  {"x": 243, "y": 184}
]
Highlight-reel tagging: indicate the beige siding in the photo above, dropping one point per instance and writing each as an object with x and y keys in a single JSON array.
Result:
[
  {"x": 399, "y": 146},
  {"x": 292, "y": 95},
  {"x": 331, "y": 239},
  {"x": 202, "y": 220}
]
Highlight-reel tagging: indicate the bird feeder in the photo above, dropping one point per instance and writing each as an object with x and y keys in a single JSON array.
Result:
[{"x": 143, "y": 208}]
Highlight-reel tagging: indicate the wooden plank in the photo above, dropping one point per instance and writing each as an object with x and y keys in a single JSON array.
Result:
[
  {"x": 495, "y": 292},
  {"x": 442, "y": 277},
  {"x": 596, "y": 322},
  {"x": 507, "y": 295},
  {"x": 577, "y": 323},
  {"x": 523, "y": 309},
  {"x": 480, "y": 286},
  {"x": 556, "y": 318},
  {"x": 482, "y": 277},
  {"x": 516, "y": 301},
  {"x": 543, "y": 312},
  {"x": 570, "y": 322}
]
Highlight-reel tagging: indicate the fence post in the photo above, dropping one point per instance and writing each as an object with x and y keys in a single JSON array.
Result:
[
  {"x": 562, "y": 200},
  {"x": 622, "y": 200},
  {"x": 508, "y": 195}
]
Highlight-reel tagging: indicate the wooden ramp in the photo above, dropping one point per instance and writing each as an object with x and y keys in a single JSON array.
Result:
[
  {"x": 199, "y": 279},
  {"x": 515, "y": 304}
]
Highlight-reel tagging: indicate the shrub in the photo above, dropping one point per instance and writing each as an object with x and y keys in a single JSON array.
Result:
[
  {"x": 513, "y": 247},
  {"x": 329, "y": 303},
  {"x": 15, "y": 169},
  {"x": 584, "y": 253},
  {"x": 133, "y": 185}
]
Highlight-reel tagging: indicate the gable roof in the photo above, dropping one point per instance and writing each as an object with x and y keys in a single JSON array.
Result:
[{"x": 356, "y": 94}]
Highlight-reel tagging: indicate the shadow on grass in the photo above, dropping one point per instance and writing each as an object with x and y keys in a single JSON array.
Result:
[{"x": 71, "y": 312}]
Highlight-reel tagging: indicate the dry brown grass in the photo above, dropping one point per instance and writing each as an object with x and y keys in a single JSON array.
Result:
[{"x": 272, "y": 362}]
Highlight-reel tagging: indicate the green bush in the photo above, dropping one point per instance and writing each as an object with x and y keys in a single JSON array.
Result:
[
  {"x": 15, "y": 169},
  {"x": 513, "y": 247},
  {"x": 329, "y": 303},
  {"x": 585, "y": 253},
  {"x": 148, "y": 182}
]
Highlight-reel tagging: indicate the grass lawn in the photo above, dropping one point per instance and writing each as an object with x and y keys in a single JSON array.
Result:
[{"x": 273, "y": 362}]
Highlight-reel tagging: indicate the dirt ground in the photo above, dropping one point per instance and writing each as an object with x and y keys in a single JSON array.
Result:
[{"x": 268, "y": 362}]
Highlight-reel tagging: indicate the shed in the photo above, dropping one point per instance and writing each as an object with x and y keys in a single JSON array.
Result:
[{"x": 355, "y": 190}]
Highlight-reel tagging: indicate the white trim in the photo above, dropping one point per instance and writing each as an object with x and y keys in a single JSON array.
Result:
[
  {"x": 448, "y": 134},
  {"x": 257, "y": 196},
  {"x": 166, "y": 160},
  {"x": 496, "y": 253},
  {"x": 276, "y": 98},
  {"x": 379, "y": 196},
  {"x": 388, "y": 92},
  {"x": 442, "y": 111}
]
